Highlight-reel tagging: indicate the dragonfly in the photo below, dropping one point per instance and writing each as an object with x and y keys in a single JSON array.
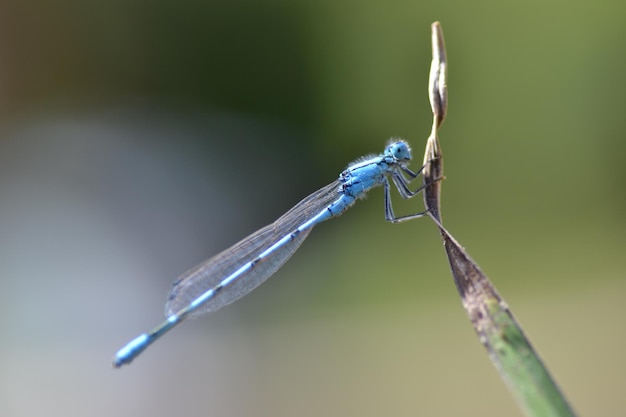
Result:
[{"x": 235, "y": 272}]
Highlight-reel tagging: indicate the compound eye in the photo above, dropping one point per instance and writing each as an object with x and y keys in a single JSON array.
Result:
[{"x": 401, "y": 151}]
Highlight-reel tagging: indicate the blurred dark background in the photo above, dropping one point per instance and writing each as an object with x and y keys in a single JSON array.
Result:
[{"x": 138, "y": 138}]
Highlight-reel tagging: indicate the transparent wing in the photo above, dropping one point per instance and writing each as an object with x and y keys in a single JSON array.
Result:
[{"x": 212, "y": 272}]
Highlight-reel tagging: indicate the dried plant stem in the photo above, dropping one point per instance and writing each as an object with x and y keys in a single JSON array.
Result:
[{"x": 509, "y": 349}]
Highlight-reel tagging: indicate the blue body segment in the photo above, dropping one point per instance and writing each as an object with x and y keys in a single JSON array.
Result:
[{"x": 238, "y": 270}]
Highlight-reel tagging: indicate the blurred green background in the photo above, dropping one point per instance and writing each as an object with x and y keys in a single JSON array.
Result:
[{"x": 138, "y": 138}]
